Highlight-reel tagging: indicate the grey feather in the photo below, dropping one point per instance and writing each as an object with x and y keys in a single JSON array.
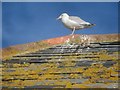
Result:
[{"x": 77, "y": 19}]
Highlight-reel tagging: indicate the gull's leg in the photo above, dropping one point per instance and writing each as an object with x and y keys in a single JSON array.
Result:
[{"x": 73, "y": 31}]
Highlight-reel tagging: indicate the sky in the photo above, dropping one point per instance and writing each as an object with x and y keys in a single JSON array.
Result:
[
  {"x": 60, "y": 1},
  {"x": 24, "y": 22}
]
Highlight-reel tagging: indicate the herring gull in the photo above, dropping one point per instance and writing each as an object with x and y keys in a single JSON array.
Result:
[{"x": 74, "y": 22}]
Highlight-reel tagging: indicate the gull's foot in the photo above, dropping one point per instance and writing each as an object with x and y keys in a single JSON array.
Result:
[{"x": 72, "y": 35}]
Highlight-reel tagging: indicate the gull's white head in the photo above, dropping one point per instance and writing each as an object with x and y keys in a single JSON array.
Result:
[{"x": 64, "y": 15}]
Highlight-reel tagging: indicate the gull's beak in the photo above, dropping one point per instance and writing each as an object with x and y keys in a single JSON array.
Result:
[{"x": 59, "y": 18}]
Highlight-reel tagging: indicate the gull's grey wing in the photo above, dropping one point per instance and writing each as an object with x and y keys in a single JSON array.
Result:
[{"x": 77, "y": 19}]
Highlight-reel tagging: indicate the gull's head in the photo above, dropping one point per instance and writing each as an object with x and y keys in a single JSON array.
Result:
[{"x": 64, "y": 15}]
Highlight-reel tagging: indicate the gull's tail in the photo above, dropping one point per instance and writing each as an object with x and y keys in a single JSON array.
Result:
[
  {"x": 89, "y": 25},
  {"x": 92, "y": 24}
]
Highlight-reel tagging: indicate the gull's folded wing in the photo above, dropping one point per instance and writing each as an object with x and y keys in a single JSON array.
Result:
[{"x": 77, "y": 19}]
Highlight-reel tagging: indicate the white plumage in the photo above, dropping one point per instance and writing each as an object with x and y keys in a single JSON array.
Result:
[{"x": 74, "y": 22}]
